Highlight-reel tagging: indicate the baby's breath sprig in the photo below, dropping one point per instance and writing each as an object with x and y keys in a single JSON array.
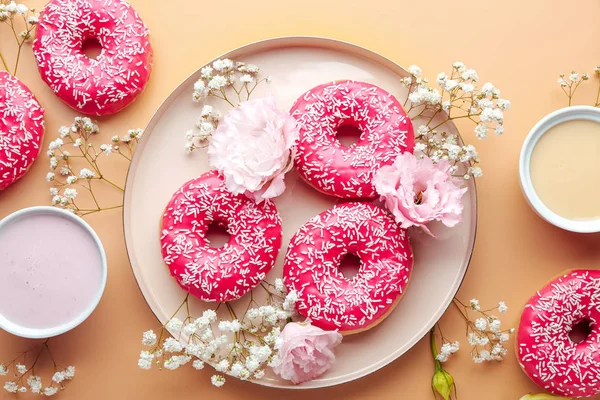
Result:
[
  {"x": 240, "y": 347},
  {"x": 484, "y": 333},
  {"x": 10, "y": 14},
  {"x": 456, "y": 96},
  {"x": 63, "y": 174},
  {"x": 24, "y": 378},
  {"x": 219, "y": 80},
  {"x": 570, "y": 84},
  {"x": 442, "y": 383}
]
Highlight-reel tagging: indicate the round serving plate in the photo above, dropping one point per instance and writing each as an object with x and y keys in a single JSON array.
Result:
[{"x": 160, "y": 166}]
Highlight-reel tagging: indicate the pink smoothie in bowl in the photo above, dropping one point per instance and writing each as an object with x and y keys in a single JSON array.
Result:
[{"x": 52, "y": 272}]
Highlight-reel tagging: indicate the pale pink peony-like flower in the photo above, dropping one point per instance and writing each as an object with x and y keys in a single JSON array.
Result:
[
  {"x": 253, "y": 148},
  {"x": 306, "y": 352},
  {"x": 417, "y": 191}
]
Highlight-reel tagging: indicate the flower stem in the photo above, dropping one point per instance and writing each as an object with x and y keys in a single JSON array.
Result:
[
  {"x": 4, "y": 62},
  {"x": 434, "y": 352}
]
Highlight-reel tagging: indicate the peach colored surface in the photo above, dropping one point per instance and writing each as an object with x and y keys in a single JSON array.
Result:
[{"x": 519, "y": 46}]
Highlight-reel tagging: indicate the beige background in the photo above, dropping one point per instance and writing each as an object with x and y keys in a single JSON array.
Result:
[{"x": 520, "y": 46}]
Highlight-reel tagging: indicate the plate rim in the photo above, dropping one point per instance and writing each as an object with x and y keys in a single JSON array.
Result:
[{"x": 271, "y": 44}]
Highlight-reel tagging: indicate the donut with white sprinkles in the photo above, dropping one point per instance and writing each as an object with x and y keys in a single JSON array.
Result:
[
  {"x": 21, "y": 129},
  {"x": 341, "y": 171},
  {"x": 547, "y": 353},
  {"x": 325, "y": 295},
  {"x": 94, "y": 86},
  {"x": 226, "y": 273}
]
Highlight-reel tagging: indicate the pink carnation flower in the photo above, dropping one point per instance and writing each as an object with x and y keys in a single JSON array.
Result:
[
  {"x": 253, "y": 148},
  {"x": 306, "y": 352},
  {"x": 417, "y": 191}
]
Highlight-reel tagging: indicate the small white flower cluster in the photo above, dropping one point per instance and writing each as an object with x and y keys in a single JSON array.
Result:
[
  {"x": 25, "y": 381},
  {"x": 570, "y": 84},
  {"x": 456, "y": 96},
  {"x": 206, "y": 124},
  {"x": 447, "y": 350},
  {"x": 10, "y": 10},
  {"x": 485, "y": 334},
  {"x": 63, "y": 173},
  {"x": 215, "y": 78},
  {"x": 443, "y": 146},
  {"x": 241, "y": 348}
]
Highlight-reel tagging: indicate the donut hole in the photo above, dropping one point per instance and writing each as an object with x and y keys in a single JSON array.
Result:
[
  {"x": 349, "y": 266},
  {"x": 91, "y": 48},
  {"x": 580, "y": 331},
  {"x": 348, "y": 135},
  {"x": 217, "y": 235}
]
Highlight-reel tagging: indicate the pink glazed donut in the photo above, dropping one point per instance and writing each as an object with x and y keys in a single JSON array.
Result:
[
  {"x": 21, "y": 129},
  {"x": 341, "y": 171},
  {"x": 104, "y": 85},
  {"x": 226, "y": 273},
  {"x": 331, "y": 300},
  {"x": 544, "y": 349}
]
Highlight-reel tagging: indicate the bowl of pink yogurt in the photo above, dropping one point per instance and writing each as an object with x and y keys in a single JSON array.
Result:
[{"x": 52, "y": 272}]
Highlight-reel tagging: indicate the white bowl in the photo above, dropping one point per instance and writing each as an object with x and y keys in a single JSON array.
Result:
[
  {"x": 549, "y": 121},
  {"x": 32, "y": 333}
]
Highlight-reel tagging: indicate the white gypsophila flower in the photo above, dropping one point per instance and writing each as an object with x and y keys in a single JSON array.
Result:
[
  {"x": 206, "y": 72},
  {"x": 414, "y": 70},
  {"x": 562, "y": 82},
  {"x": 34, "y": 19},
  {"x": 237, "y": 369},
  {"x": 71, "y": 179},
  {"x": 174, "y": 325},
  {"x": 502, "y": 308},
  {"x": 35, "y": 384},
  {"x": 252, "y": 313},
  {"x": 64, "y": 131},
  {"x": 470, "y": 74},
  {"x": 86, "y": 173},
  {"x": 269, "y": 79},
  {"x": 442, "y": 357},
  {"x": 574, "y": 77},
  {"x": 246, "y": 78},
  {"x": 58, "y": 377},
  {"x": 476, "y": 172},
  {"x": 11, "y": 387},
  {"x": 423, "y": 94},
  {"x": 467, "y": 87},
  {"x": 50, "y": 391},
  {"x": 280, "y": 286},
  {"x": 22, "y": 9},
  {"x": 172, "y": 346},
  {"x": 50, "y": 176},
  {"x": 64, "y": 171},
  {"x": 499, "y": 130},
  {"x": 446, "y": 105},
  {"x": 481, "y": 131},
  {"x": 289, "y": 304},
  {"x": 474, "y": 303},
  {"x": 230, "y": 326},
  {"x": 441, "y": 78},
  {"x": 222, "y": 366},
  {"x": 217, "y": 82},
  {"x": 56, "y": 144},
  {"x": 217, "y": 380},
  {"x": 459, "y": 66},
  {"x": 481, "y": 324},
  {"x": 494, "y": 325},
  {"x": 149, "y": 338},
  {"x": 483, "y": 341},
  {"x": 70, "y": 193},
  {"x": 252, "y": 69},
  {"x": 171, "y": 364},
  {"x": 420, "y": 146},
  {"x": 189, "y": 329},
  {"x": 198, "y": 364},
  {"x": 503, "y": 104},
  {"x": 3, "y": 370},
  {"x": 477, "y": 359},
  {"x": 450, "y": 84},
  {"x": 206, "y": 111},
  {"x": 21, "y": 369},
  {"x": 259, "y": 374}
]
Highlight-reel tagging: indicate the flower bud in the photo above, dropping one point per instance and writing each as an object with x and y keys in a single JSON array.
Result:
[{"x": 442, "y": 383}]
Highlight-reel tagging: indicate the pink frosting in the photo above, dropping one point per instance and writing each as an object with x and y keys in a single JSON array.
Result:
[
  {"x": 114, "y": 79},
  {"x": 545, "y": 351},
  {"x": 21, "y": 129},
  {"x": 329, "y": 299},
  {"x": 229, "y": 272},
  {"x": 341, "y": 171}
]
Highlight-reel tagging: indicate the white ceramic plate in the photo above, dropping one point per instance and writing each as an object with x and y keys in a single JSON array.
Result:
[{"x": 160, "y": 167}]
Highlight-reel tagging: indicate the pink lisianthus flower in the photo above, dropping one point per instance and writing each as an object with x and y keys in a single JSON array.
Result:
[
  {"x": 253, "y": 148},
  {"x": 305, "y": 352},
  {"x": 417, "y": 191}
]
